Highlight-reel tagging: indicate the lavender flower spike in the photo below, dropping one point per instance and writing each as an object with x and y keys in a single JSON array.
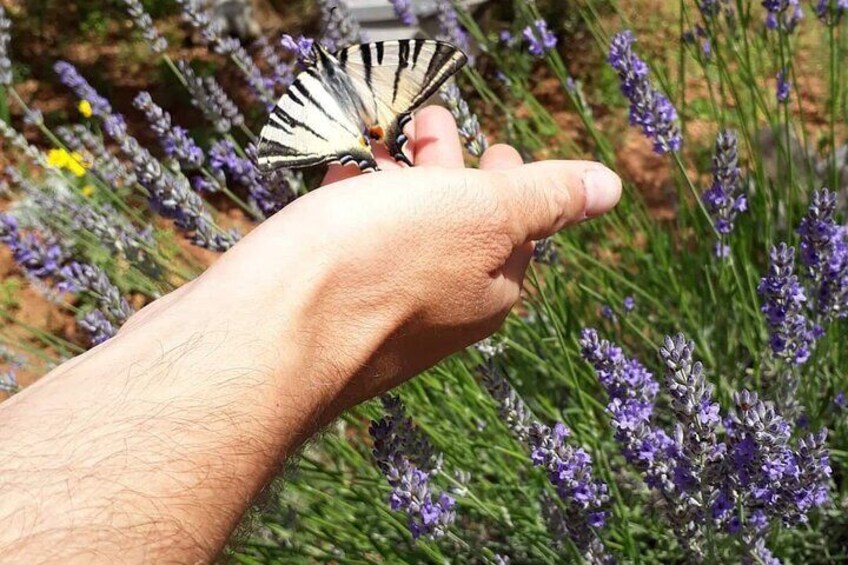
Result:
[
  {"x": 469, "y": 127},
  {"x": 824, "y": 252},
  {"x": 83, "y": 277},
  {"x": 170, "y": 194},
  {"x": 70, "y": 77},
  {"x": 210, "y": 98},
  {"x": 408, "y": 461},
  {"x": 282, "y": 74},
  {"x": 539, "y": 38},
  {"x": 649, "y": 108},
  {"x": 144, "y": 23},
  {"x": 632, "y": 391},
  {"x": 98, "y": 326},
  {"x": 5, "y": 61},
  {"x": 723, "y": 199},
  {"x": 342, "y": 29},
  {"x": 405, "y": 12},
  {"x": 197, "y": 14},
  {"x": 38, "y": 257},
  {"x": 301, "y": 46},
  {"x": 450, "y": 28},
  {"x": 268, "y": 193},
  {"x": 570, "y": 472},
  {"x": 174, "y": 140},
  {"x": 792, "y": 335}
]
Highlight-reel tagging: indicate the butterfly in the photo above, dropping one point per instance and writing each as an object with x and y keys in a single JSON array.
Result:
[{"x": 342, "y": 101}]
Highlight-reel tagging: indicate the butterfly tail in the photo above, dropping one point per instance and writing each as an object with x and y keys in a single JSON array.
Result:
[{"x": 396, "y": 140}]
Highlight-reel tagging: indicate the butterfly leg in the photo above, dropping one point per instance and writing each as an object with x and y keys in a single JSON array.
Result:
[{"x": 396, "y": 140}]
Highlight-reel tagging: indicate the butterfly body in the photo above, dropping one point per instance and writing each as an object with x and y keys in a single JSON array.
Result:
[{"x": 343, "y": 101}]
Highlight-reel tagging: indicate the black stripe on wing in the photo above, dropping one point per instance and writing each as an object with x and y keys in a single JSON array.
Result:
[
  {"x": 365, "y": 54},
  {"x": 446, "y": 60},
  {"x": 403, "y": 62},
  {"x": 294, "y": 123}
]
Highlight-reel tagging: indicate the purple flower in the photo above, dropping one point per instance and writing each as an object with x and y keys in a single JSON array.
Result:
[
  {"x": 608, "y": 313},
  {"x": 174, "y": 140},
  {"x": 282, "y": 74},
  {"x": 723, "y": 198},
  {"x": 450, "y": 28},
  {"x": 268, "y": 193},
  {"x": 210, "y": 98},
  {"x": 831, "y": 11},
  {"x": 405, "y": 12},
  {"x": 197, "y": 14},
  {"x": 70, "y": 77},
  {"x": 539, "y": 38},
  {"x": 301, "y": 47},
  {"x": 170, "y": 194},
  {"x": 144, "y": 23},
  {"x": 408, "y": 461},
  {"x": 37, "y": 256},
  {"x": 5, "y": 61},
  {"x": 569, "y": 469},
  {"x": 824, "y": 252},
  {"x": 632, "y": 390},
  {"x": 783, "y": 14},
  {"x": 701, "y": 475},
  {"x": 649, "y": 108},
  {"x": 505, "y": 37},
  {"x": 88, "y": 279},
  {"x": 98, "y": 326},
  {"x": 770, "y": 475},
  {"x": 721, "y": 250},
  {"x": 341, "y": 28},
  {"x": 791, "y": 334},
  {"x": 784, "y": 86},
  {"x": 840, "y": 401},
  {"x": 629, "y": 304}
]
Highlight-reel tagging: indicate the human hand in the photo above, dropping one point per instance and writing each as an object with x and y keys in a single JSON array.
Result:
[{"x": 377, "y": 277}]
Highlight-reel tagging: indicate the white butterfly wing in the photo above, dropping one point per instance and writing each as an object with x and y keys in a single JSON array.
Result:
[
  {"x": 316, "y": 121},
  {"x": 397, "y": 77}
]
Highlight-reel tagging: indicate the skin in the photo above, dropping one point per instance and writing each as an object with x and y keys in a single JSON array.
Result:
[{"x": 151, "y": 446}]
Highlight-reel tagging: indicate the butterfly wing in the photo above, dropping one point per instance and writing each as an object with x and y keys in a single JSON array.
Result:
[
  {"x": 397, "y": 77},
  {"x": 317, "y": 120}
]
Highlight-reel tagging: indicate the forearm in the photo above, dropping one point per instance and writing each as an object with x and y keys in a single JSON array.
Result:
[{"x": 152, "y": 446}]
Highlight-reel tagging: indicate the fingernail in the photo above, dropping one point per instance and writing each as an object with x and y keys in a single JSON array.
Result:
[{"x": 603, "y": 189}]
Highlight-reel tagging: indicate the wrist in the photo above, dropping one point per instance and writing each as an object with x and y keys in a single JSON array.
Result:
[{"x": 296, "y": 329}]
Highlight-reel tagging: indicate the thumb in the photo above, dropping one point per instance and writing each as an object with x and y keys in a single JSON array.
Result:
[{"x": 541, "y": 198}]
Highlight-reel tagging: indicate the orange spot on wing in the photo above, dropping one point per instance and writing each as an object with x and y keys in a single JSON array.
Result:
[{"x": 376, "y": 133}]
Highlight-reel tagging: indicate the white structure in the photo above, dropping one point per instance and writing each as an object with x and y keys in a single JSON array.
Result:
[{"x": 377, "y": 18}]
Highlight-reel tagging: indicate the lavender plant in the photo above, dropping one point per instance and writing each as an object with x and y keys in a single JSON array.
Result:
[
  {"x": 649, "y": 108},
  {"x": 667, "y": 459}
]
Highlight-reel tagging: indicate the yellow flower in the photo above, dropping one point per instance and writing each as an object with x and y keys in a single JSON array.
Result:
[
  {"x": 58, "y": 158},
  {"x": 84, "y": 107},
  {"x": 76, "y": 165},
  {"x": 87, "y": 190}
]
